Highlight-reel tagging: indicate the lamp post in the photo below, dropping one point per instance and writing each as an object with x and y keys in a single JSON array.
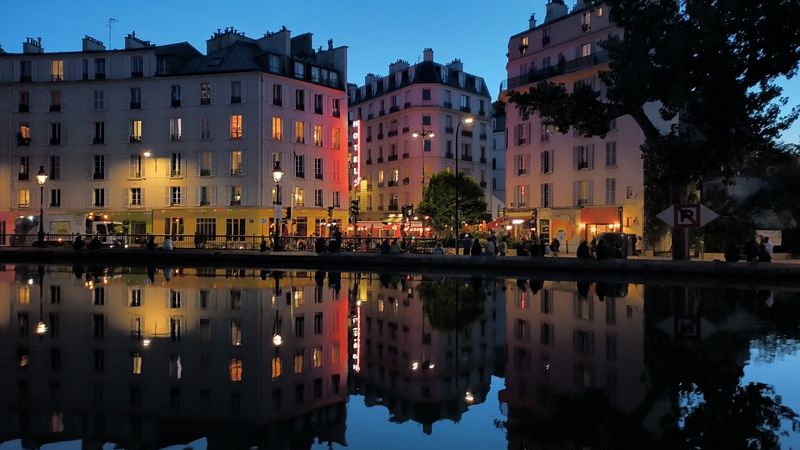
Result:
[
  {"x": 425, "y": 134},
  {"x": 41, "y": 327},
  {"x": 467, "y": 120},
  {"x": 277, "y": 339},
  {"x": 277, "y": 174},
  {"x": 41, "y": 178}
]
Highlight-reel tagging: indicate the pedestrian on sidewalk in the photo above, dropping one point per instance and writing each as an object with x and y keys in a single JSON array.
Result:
[
  {"x": 583, "y": 251},
  {"x": 732, "y": 252},
  {"x": 476, "y": 248},
  {"x": 750, "y": 250},
  {"x": 467, "y": 244},
  {"x": 602, "y": 250},
  {"x": 554, "y": 246},
  {"x": 438, "y": 249}
]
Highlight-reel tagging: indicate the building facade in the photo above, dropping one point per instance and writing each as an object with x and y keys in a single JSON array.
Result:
[
  {"x": 568, "y": 185},
  {"x": 406, "y": 126},
  {"x": 498, "y": 159},
  {"x": 173, "y": 141}
]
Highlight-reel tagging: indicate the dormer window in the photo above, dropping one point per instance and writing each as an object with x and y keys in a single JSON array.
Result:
[
  {"x": 545, "y": 36},
  {"x": 586, "y": 21},
  {"x": 299, "y": 70},
  {"x": 523, "y": 45}
]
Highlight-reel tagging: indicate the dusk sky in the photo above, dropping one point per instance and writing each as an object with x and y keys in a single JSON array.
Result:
[{"x": 376, "y": 33}]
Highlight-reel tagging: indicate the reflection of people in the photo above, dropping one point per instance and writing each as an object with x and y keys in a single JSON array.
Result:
[
  {"x": 168, "y": 245},
  {"x": 438, "y": 250}
]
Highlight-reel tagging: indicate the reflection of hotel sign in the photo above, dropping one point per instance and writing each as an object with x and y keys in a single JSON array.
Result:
[
  {"x": 356, "y": 152},
  {"x": 687, "y": 327}
]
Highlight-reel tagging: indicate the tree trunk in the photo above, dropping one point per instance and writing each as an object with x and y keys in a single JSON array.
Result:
[{"x": 680, "y": 235}]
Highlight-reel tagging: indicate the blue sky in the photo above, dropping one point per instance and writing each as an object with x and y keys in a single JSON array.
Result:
[{"x": 376, "y": 33}]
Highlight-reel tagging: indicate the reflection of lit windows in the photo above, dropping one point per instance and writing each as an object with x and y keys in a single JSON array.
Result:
[
  {"x": 136, "y": 361},
  {"x": 57, "y": 422},
  {"x": 298, "y": 361},
  {"x": 381, "y": 306},
  {"x": 175, "y": 326},
  {"x": 236, "y": 333},
  {"x": 137, "y": 325},
  {"x": 236, "y": 369},
  {"x": 24, "y": 295},
  {"x": 135, "y": 298},
  {"x": 335, "y": 354},
  {"x": 318, "y": 323},
  {"x": 236, "y": 299},
  {"x": 316, "y": 357},
  {"x": 277, "y": 367},
  {"x": 175, "y": 367},
  {"x": 175, "y": 298}
]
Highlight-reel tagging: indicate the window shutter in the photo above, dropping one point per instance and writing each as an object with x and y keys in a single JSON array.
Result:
[
  {"x": 212, "y": 195},
  {"x": 227, "y": 193},
  {"x": 142, "y": 196},
  {"x": 591, "y": 192},
  {"x": 244, "y": 195},
  {"x": 166, "y": 196},
  {"x": 591, "y": 156},
  {"x": 125, "y": 197},
  {"x": 213, "y": 93},
  {"x": 542, "y": 162},
  {"x": 184, "y": 196},
  {"x": 198, "y": 194},
  {"x": 184, "y": 166},
  {"x": 576, "y": 192},
  {"x": 244, "y": 92},
  {"x": 228, "y": 156},
  {"x": 244, "y": 162},
  {"x": 576, "y": 154}
]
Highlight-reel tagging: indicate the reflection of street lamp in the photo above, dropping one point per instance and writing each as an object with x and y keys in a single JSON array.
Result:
[
  {"x": 41, "y": 178},
  {"x": 425, "y": 134},
  {"x": 41, "y": 327},
  {"x": 468, "y": 120},
  {"x": 277, "y": 340},
  {"x": 277, "y": 174}
]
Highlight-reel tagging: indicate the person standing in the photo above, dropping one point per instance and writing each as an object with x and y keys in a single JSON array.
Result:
[
  {"x": 467, "y": 244},
  {"x": 554, "y": 247},
  {"x": 732, "y": 252},
  {"x": 583, "y": 251},
  {"x": 768, "y": 246},
  {"x": 750, "y": 250},
  {"x": 491, "y": 248}
]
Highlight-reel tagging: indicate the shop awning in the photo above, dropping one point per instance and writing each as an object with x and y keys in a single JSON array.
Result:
[
  {"x": 601, "y": 216},
  {"x": 496, "y": 223}
]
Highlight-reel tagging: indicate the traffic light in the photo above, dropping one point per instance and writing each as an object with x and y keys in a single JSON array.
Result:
[
  {"x": 354, "y": 208},
  {"x": 330, "y": 212}
]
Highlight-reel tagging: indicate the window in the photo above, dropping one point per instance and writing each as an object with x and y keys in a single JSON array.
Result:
[
  {"x": 235, "y": 229},
  {"x": 611, "y": 191},
  {"x": 204, "y": 195},
  {"x": 521, "y": 162},
  {"x": 98, "y": 167},
  {"x": 176, "y": 165},
  {"x": 547, "y": 161},
  {"x": 299, "y": 197},
  {"x": 523, "y": 45},
  {"x": 316, "y": 357},
  {"x": 237, "y": 163},
  {"x": 206, "y": 227},
  {"x": 335, "y": 111},
  {"x": 611, "y": 154},
  {"x": 99, "y": 133},
  {"x": 236, "y": 368},
  {"x": 277, "y": 128},
  {"x": 55, "y": 198},
  {"x": 586, "y": 21},
  {"x": 300, "y": 99},
  {"x": 236, "y": 333},
  {"x": 24, "y": 168},
  {"x": 24, "y": 101},
  {"x": 318, "y": 173},
  {"x": 318, "y": 135},
  {"x": 299, "y": 166},
  {"x": 298, "y": 360},
  {"x": 98, "y": 100},
  {"x": 236, "y": 126},
  {"x": 426, "y": 120},
  {"x": 205, "y": 93},
  {"x": 175, "y": 197},
  {"x": 205, "y": 128},
  {"x": 277, "y": 95},
  {"x": 100, "y": 69},
  {"x": 521, "y": 196},
  {"x": 299, "y": 70},
  {"x": 582, "y": 193},
  {"x": 136, "y": 131},
  {"x": 299, "y": 132},
  {"x": 57, "y": 70},
  {"x": 236, "y": 196},
  {"x": 24, "y": 134},
  {"x": 318, "y": 200},
  {"x": 521, "y": 133},
  {"x": 206, "y": 163},
  {"x": 135, "y": 197},
  {"x": 175, "y": 95},
  {"x": 547, "y": 195},
  {"x": 583, "y": 157},
  {"x": 135, "y": 298},
  {"x": 336, "y": 138},
  {"x": 236, "y": 92},
  {"x": 426, "y": 94},
  {"x": 24, "y": 198},
  {"x": 137, "y": 66},
  {"x": 337, "y": 199},
  {"x": 465, "y": 106},
  {"x": 99, "y": 197},
  {"x": 174, "y": 226},
  {"x": 175, "y": 128},
  {"x": 586, "y": 50},
  {"x": 55, "y": 133},
  {"x": 55, "y": 101},
  {"x": 318, "y": 103},
  {"x": 55, "y": 167}
]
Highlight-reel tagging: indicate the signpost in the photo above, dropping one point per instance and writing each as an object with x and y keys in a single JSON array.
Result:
[{"x": 683, "y": 217}]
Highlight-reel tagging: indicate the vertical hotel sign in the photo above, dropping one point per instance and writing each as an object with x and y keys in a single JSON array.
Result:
[{"x": 356, "y": 156}]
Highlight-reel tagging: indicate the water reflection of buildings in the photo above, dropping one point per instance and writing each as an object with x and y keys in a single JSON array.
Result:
[
  {"x": 563, "y": 340},
  {"x": 149, "y": 363},
  {"x": 419, "y": 372}
]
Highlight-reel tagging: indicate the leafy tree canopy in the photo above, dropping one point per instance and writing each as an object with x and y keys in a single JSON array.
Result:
[{"x": 438, "y": 200}]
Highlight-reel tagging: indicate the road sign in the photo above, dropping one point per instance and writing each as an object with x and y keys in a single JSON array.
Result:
[
  {"x": 263, "y": 220},
  {"x": 687, "y": 216}
]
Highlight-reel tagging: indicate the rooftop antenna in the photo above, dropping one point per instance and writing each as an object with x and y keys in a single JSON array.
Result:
[{"x": 111, "y": 21}]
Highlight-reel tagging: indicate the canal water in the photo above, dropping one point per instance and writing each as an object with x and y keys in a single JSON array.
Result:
[{"x": 150, "y": 358}]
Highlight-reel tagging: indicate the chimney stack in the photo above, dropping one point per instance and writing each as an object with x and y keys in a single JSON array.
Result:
[
  {"x": 90, "y": 44},
  {"x": 427, "y": 55},
  {"x": 132, "y": 42},
  {"x": 555, "y": 9},
  {"x": 532, "y": 22},
  {"x": 32, "y": 45}
]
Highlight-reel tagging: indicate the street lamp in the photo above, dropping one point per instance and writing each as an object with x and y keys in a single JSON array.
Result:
[
  {"x": 425, "y": 134},
  {"x": 467, "y": 120},
  {"x": 41, "y": 178},
  {"x": 277, "y": 339},
  {"x": 277, "y": 174}
]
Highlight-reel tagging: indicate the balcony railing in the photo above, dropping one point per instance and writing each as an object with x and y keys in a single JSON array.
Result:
[
  {"x": 561, "y": 68},
  {"x": 23, "y": 140},
  {"x": 175, "y": 102},
  {"x": 137, "y": 74},
  {"x": 23, "y": 108},
  {"x": 483, "y": 184},
  {"x": 135, "y": 105},
  {"x": 406, "y": 130},
  {"x": 448, "y": 130},
  {"x": 392, "y": 158},
  {"x": 135, "y": 139},
  {"x": 394, "y": 207},
  {"x": 23, "y": 177},
  {"x": 236, "y": 99},
  {"x": 55, "y": 141},
  {"x": 405, "y": 155},
  {"x": 380, "y": 135},
  {"x": 392, "y": 133},
  {"x": 55, "y": 108},
  {"x": 380, "y": 159},
  {"x": 406, "y": 105},
  {"x": 369, "y": 161},
  {"x": 466, "y": 133},
  {"x": 466, "y": 157},
  {"x": 394, "y": 109},
  {"x": 483, "y": 160},
  {"x": 448, "y": 155},
  {"x": 98, "y": 176},
  {"x": 392, "y": 183},
  {"x": 448, "y": 105},
  {"x": 466, "y": 109}
]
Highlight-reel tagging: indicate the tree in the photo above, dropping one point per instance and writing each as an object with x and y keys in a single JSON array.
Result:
[
  {"x": 438, "y": 200},
  {"x": 709, "y": 67},
  {"x": 450, "y": 305}
]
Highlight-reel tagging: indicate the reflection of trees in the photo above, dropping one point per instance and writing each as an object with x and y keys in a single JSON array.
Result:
[{"x": 450, "y": 305}]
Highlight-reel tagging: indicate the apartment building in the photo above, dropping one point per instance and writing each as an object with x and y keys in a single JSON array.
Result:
[
  {"x": 498, "y": 159},
  {"x": 569, "y": 185},
  {"x": 173, "y": 141},
  {"x": 406, "y": 125}
]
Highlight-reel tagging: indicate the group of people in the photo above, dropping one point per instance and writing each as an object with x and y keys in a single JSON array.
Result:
[
  {"x": 493, "y": 246},
  {"x": 598, "y": 249},
  {"x": 80, "y": 243},
  {"x": 760, "y": 251}
]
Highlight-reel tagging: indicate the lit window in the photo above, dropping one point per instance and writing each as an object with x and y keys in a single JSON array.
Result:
[
  {"x": 317, "y": 357},
  {"x": 318, "y": 135},
  {"x": 57, "y": 70},
  {"x": 277, "y": 367},
  {"x": 175, "y": 128},
  {"x": 136, "y": 130},
  {"x": 236, "y": 369},
  {"x": 236, "y": 333},
  {"x": 24, "y": 295},
  {"x": 236, "y": 126},
  {"x": 299, "y": 132},
  {"x": 298, "y": 361},
  {"x": 277, "y": 129},
  {"x": 237, "y": 163}
]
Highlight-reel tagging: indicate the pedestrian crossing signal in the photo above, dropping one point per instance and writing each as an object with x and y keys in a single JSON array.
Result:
[{"x": 354, "y": 208}]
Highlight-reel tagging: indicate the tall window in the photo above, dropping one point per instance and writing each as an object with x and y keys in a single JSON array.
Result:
[
  {"x": 336, "y": 137},
  {"x": 336, "y": 199},
  {"x": 547, "y": 195},
  {"x": 236, "y": 126},
  {"x": 277, "y": 95},
  {"x": 300, "y": 99},
  {"x": 24, "y": 168},
  {"x": 465, "y": 103},
  {"x": 137, "y": 66},
  {"x": 55, "y": 101},
  {"x": 335, "y": 111},
  {"x": 24, "y": 198},
  {"x": 55, "y": 167},
  {"x": 136, "y": 98},
  {"x": 175, "y": 196},
  {"x": 318, "y": 103},
  {"x": 176, "y": 165},
  {"x": 299, "y": 196},
  {"x": 277, "y": 128},
  {"x": 611, "y": 154},
  {"x": 57, "y": 70},
  {"x": 299, "y": 166},
  {"x": 521, "y": 196},
  {"x": 237, "y": 160},
  {"x": 611, "y": 191},
  {"x": 175, "y": 95},
  {"x": 55, "y": 133},
  {"x": 236, "y": 92},
  {"x": 175, "y": 128},
  {"x": 100, "y": 69},
  {"x": 318, "y": 199},
  {"x": 136, "y": 166},
  {"x": 55, "y": 198},
  {"x": 235, "y": 229},
  {"x": 24, "y": 134},
  {"x": 205, "y": 93},
  {"x": 318, "y": 135},
  {"x": 521, "y": 161},
  {"x": 236, "y": 369},
  {"x": 99, "y": 133},
  {"x": 206, "y": 164},
  {"x": 136, "y": 131},
  {"x": 299, "y": 132},
  {"x": 24, "y": 103},
  {"x": 98, "y": 167},
  {"x": 547, "y": 162},
  {"x": 318, "y": 174},
  {"x": 135, "y": 197},
  {"x": 98, "y": 100},
  {"x": 99, "y": 197},
  {"x": 205, "y": 128}
]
